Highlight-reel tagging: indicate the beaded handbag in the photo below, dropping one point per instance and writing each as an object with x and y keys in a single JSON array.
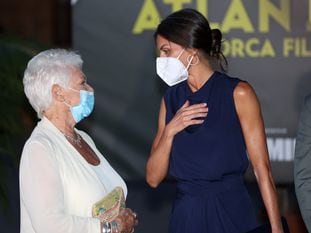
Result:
[{"x": 108, "y": 208}]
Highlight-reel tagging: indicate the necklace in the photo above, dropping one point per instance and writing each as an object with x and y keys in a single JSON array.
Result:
[{"x": 76, "y": 140}]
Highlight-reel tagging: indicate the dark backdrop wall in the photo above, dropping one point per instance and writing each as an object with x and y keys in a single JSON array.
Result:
[
  {"x": 47, "y": 22},
  {"x": 267, "y": 43}
]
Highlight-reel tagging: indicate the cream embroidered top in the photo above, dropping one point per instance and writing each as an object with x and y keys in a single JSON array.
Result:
[{"x": 58, "y": 186}]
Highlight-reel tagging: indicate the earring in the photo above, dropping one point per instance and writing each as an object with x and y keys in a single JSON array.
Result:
[{"x": 190, "y": 60}]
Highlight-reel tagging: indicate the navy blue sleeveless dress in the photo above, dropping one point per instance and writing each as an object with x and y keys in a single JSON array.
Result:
[{"x": 208, "y": 162}]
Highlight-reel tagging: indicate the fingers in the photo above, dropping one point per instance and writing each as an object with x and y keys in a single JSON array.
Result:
[
  {"x": 188, "y": 117},
  {"x": 123, "y": 211},
  {"x": 128, "y": 212},
  {"x": 193, "y": 109},
  {"x": 197, "y": 106},
  {"x": 195, "y": 122},
  {"x": 128, "y": 220},
  {"x": 135, "y": 218},
  {"x": 186, "y": 104}
]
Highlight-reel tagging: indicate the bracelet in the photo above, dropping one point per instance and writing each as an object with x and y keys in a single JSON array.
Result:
[
  {"x": 114, "y": 226},
  {"x": 106, "y": 228}
]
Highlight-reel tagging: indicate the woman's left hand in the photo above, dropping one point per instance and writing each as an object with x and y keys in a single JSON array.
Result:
[{"x": 126, "y": 221}]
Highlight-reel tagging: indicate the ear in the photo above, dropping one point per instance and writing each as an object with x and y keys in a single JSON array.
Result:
[
  {"x": 193, "y": 51},
  {"x": 58, "y": 93}
]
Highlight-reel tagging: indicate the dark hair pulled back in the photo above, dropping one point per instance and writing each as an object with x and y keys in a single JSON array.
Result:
[{"x": 190, "y": 29}]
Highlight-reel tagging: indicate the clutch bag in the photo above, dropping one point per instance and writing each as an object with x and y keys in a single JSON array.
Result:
[
  {"x": 266, "y": 228},
  {"x": 108, "y": 208}
]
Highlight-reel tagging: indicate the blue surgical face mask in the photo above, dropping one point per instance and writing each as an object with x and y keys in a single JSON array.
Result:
[{"x": 85, "y": 107}]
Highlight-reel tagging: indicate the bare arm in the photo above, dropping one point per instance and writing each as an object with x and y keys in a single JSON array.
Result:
[
  {"x": 157, "y": 164},
  {"x": 249, "y": 112}
]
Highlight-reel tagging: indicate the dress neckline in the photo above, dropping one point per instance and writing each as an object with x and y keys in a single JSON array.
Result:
[
  {"x": 202, "y": 88},
  {"x": 45, "y": 122}
]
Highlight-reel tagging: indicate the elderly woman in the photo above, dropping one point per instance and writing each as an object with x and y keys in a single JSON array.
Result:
[{"x": 62, "y": 174}]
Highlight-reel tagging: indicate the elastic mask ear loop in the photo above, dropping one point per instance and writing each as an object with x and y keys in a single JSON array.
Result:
[
  {"x": 189, "y": 61},
  {"x": 180, "y": 54},
  {"x": 63, "y": 99},
  {"x": 73, "y": 89},
  {"x": 68, "y": 105}
]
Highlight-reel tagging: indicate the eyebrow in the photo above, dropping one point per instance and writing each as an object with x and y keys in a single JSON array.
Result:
[{"x": 164, "y": 46}]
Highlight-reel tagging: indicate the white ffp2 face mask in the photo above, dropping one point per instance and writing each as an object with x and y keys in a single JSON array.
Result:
[{"x": 171, "y": 70}]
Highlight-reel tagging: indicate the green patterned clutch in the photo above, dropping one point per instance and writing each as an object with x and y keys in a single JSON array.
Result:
[{"x": 107, "y": 208}]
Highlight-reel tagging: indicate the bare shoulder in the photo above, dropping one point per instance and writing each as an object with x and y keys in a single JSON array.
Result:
[
  {"x": 243, "y": 90},
  {"x": 245, "y": 98}
]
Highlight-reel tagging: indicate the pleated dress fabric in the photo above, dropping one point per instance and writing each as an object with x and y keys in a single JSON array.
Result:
[{"x": 208, "y": 162}]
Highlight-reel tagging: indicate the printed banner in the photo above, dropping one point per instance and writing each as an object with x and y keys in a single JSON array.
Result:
[{"x": 266, "y": 42}]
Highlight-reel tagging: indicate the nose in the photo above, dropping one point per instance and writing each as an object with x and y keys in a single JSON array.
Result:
[{"x": 89, "y": 88}]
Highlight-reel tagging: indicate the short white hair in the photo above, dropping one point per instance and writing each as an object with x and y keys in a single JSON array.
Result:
[{"x": 49, "y": 67}]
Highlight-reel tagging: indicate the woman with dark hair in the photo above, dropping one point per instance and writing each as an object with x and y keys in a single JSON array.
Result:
[{"x": 207, "y": 122}]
